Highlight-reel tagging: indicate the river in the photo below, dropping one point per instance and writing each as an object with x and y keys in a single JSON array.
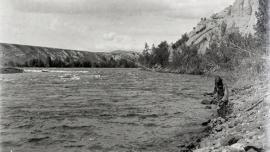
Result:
[{"x": 96, "y": 110}]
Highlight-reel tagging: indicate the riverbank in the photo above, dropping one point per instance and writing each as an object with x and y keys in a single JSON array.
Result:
[
  {"x": 172, "y": 70},
  {"x": 245, "y": 128}
]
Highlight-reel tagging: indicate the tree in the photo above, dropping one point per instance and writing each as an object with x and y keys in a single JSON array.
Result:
[
  {"x": 262, "y": 20},
  {"x": 112, "y": 63},
  {"x": 181, "y": 41},
  {"x": 161, "y": 54},
  {"x": 223, "y": 28},
  {"x": 145, "y": 55},
  {"x": 146, "y": 47},
  {"x": 49, "y": 61}
]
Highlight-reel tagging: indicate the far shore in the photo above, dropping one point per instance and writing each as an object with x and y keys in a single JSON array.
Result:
[{"x": 6, "y": 70}]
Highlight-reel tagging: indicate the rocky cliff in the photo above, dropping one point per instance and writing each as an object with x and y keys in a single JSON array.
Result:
[
  {"x": 25, "y": 55},
  {"x": 241, "y": 15}
]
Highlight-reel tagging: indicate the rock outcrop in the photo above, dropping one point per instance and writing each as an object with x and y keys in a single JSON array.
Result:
[{"x": 241, "y": 15}]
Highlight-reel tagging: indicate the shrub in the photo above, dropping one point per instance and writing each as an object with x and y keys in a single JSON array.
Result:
[
  {"x": 159, "y": 56},
  {"x": 181, "y": 41}
]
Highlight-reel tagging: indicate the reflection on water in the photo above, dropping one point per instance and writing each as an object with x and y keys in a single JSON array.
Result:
[{"x": 100, "y": 110}]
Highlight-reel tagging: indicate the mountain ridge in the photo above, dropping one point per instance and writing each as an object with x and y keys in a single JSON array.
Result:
[{"x": 37, "y": 56}]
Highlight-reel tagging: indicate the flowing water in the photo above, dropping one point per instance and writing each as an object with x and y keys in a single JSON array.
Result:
[{"x": 114, "y": 110}]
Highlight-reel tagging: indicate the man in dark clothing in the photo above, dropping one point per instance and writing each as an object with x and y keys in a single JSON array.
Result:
[{"x": 221, "y": 96}]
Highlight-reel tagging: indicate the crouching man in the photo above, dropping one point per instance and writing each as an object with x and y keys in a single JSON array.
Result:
[{"x": 220, "y": 97}]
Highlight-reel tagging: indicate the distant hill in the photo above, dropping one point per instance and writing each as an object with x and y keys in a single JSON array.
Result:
[{"x": 35, "y": 56}]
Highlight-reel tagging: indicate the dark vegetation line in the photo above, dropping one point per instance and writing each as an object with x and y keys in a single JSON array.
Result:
[{"x": 70, "y": 63}]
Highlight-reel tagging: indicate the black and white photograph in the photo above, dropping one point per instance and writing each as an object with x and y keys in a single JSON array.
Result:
[{"x": 134, "y": 76}]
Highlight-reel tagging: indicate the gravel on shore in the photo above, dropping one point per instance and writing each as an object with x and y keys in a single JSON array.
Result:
[{"x": 245, "y": 128}]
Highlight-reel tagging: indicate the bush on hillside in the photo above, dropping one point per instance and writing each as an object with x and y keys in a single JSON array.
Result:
[
  {"x": 187, "y": 60},
  {"x": 181, "y": 41},
  {"x": 158, "y": 56},
  {"x": 262, "y": 21}
]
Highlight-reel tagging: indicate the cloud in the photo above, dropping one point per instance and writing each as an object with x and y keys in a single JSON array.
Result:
[
  {"x": 109, "y": 8},
  {"x": 99, "y": 25},
  {"x": 112, "y": 40},
  {"x": 195, "y": 8},
  {"x": 117, "y": 38},
  {"x": 109, "y": 36},
  {"x": 86, "y": 6}
]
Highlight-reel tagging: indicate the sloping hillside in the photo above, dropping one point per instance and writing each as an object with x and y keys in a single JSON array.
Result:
[
  {"x": 34, "y": 56},
  {"x": 241, "y": 15},
  {"x": 220, "y": 42}
]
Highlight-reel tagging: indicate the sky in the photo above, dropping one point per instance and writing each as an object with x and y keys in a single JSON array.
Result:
[{"x": 101, "y": 25}]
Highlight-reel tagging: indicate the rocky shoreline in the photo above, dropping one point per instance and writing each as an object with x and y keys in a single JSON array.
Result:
[
  {"x": 172, "y": 70},
  {"x": 244, "y": 129}
]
